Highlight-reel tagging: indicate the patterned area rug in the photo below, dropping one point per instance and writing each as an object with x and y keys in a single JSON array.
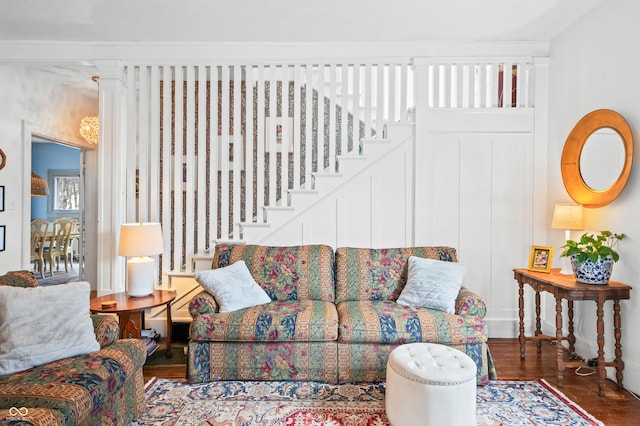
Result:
[{"x": 502, "y": 402}]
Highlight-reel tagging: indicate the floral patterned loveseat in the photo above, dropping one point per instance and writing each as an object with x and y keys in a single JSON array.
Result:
[
  {"x": 333, "y": 317},
  {"x": 105, "y": 387}
]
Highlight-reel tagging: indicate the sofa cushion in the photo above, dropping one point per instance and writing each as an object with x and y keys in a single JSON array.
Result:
[
  {"x": 368, "y": 321},
  {"x": 279, "y": 321},
  {"x": 379, "y": 274},
  {"x": 44, "y": 324},
  {"x": 233, "y": 287},
  {"x": 432, "y": 284},
  {"x": 285, "y": 273}
]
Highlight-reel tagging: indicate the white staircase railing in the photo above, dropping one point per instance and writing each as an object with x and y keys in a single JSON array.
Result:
[
  {"x": 217, "y": 148},
  {"x": 233, "y": 139}
]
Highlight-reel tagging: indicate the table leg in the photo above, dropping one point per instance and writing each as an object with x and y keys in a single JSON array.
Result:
[
  {"x": 601, "y": 373},
  {"x": 521, "y": 337},
  {"x": 559, "y": 363},
  {"x": 538, "y": 324},
  {"x": 130, "y": 324},
  {"x": 572, "y": 338},
  {"x": 617, "y": 334},
  {"x": 168, "y": 353}
]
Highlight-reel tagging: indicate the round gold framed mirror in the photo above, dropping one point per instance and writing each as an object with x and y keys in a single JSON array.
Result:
[{"x": 574, "y": 168}]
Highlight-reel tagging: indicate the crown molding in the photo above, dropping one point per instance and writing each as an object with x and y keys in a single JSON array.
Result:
[{"x": 199, "y": 52}]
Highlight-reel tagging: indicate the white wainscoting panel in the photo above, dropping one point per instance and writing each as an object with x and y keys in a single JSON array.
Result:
[{"x": 477, "y": 197}]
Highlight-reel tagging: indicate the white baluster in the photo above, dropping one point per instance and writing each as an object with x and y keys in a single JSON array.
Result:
[
  {"x": 214, "y": 152},
  {"x": 224, "y": 154},
  {"x": 248, "y": 143},
  {"x": 238, "y": 144},
  {"x": 178, "y": 169}
]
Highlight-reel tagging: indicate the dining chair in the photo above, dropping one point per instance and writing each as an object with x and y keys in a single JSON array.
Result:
[
  {"x": 38, "y": 242},
  {"x": 59, "y": 244}
]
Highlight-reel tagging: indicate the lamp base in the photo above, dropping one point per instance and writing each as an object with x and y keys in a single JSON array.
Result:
[
  {"x": 566, "y": 267},
  {"x": 140, "y": 279}
]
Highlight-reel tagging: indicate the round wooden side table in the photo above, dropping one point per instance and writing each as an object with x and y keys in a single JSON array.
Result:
[{"x": 130, "y": 311}]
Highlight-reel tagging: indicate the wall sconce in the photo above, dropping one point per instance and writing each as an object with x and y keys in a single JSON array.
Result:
[
  {"x": 39, "y": 187},
  {"x": 568, "y": 217}
]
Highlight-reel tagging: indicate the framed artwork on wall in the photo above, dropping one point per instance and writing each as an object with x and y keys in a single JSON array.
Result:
[
  {"x": 1, "y": 198},
  {"x": 274, "y": 133},
  {"x": 2, "y": 237},
  {"x": 540, "y": 258}
]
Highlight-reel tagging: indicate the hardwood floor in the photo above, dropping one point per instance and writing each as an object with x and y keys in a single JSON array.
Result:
[{"x": 616, "y": 408}]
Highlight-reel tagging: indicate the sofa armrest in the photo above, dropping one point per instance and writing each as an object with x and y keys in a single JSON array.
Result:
[
  {"x": 469, "y": 303},
  {"x": 202, "y": 303},
  {"x": 107, "y": 329}
]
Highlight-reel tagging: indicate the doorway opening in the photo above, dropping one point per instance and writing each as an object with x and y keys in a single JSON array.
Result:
[{"x": 61, "y": 166}]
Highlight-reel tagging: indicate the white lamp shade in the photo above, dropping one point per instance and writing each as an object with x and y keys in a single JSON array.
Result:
[
  {"x": 568, "y": 216},
  {"x": 140, "y": 239}
]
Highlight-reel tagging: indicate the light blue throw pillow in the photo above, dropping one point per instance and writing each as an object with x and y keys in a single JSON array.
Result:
[
  {"x": 233, "y": 287},
  {"x": 433, "y": 284}
]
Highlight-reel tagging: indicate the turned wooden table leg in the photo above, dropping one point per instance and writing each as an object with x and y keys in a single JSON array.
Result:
[
  {"x": 168, "y": 353},
  {"x": 572, "y": 338},
  {"x": 521, "y": 337},
  {"x": 538, "y": 323},
  {"x": 601, "y": 373},
  {"x": 618, "y": 334},
  {"x": 559, "y": 363}
]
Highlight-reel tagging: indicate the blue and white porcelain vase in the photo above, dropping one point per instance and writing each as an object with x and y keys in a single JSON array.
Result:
[{"x": 589, "y": 272}]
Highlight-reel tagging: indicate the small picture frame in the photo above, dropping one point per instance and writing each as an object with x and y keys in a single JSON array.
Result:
[
  {"x": 274, "y": 134},
  {"x": 2, "y": 237},
  {"x": 540, "y": 258},
  {"x": 1, "y": 198}
]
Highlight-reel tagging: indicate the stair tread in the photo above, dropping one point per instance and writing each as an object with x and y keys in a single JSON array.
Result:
[
  {"x": 283, "y": 208},
  {"x": 254, "y": 224},
  {"x": 327, "y": 174},
  {"x": 376, "y": 140},
  {"x": 303, "y": 191}
]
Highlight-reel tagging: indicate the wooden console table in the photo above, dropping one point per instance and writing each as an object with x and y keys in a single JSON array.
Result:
[
  {"x": 130, "y": 311},
  {"x": 566, "y": 287}
]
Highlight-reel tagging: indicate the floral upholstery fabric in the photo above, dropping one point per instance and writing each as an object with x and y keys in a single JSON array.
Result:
[
  {"x": 19, "y": 279},
  {"x": 469, "y": 303},
  {"x": 309, "y": 361},
  {"x": 367, "y": 362},
  {"x": 279, "y": 321},
  {"x": 285, "y": 273},
  {"x": 379, "y": 274},
  {"x": 368, "y": 321},
  {"x": 203, "y": 303},
  {"x": 294, "y": 337},
  {"x": 107, "y": 329},
  {"x": 104, "y": 387}
]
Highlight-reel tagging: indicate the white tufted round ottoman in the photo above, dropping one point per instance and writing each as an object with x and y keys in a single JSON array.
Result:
[{"x": 430, "y": 384}]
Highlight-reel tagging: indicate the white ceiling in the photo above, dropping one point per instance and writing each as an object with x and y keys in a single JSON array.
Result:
[{"x": 288, "y": 20}]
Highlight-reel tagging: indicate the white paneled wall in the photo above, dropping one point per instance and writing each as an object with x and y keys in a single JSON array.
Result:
[{"x": 477, "y": 197}]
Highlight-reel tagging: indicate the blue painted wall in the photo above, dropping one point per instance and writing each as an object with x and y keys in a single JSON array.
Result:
[{"x": 45, "y": 156}]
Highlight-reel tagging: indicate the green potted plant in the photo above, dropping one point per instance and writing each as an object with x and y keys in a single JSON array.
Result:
[{"x": 593, "y": 256}]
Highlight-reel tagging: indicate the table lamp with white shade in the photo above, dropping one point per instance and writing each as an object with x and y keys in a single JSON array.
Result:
[
  {"x": 570, "y": 218},
  {"x": 139, "y": 241}
]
